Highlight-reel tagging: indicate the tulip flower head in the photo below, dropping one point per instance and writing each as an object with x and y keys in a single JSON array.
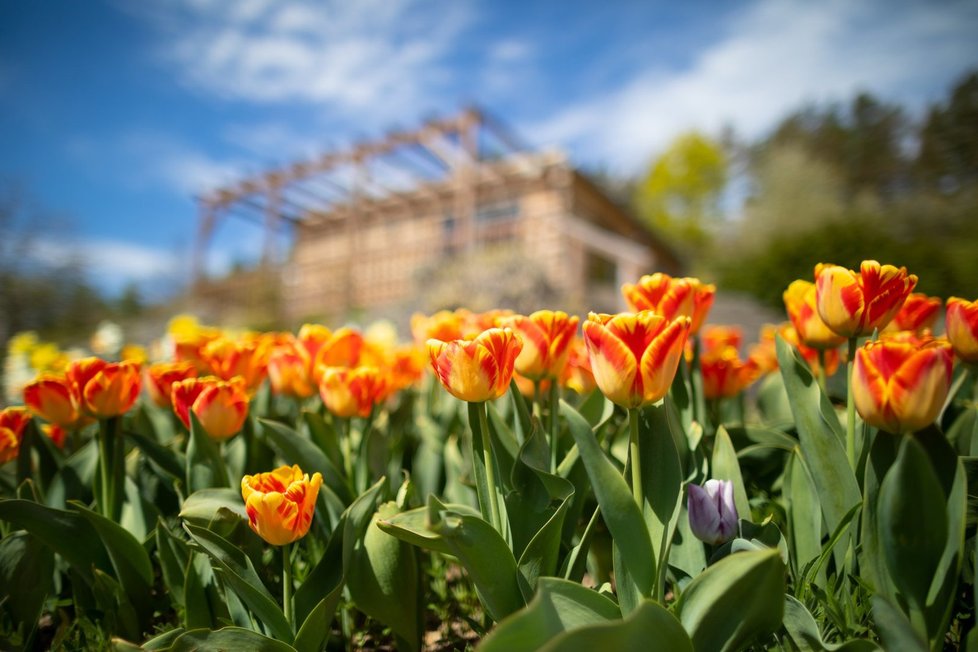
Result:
[
  {"x": 55, "y": 399},
  {"x": 719, "y": 337},
  {"x": 107, "y": 389},
  {"x": 857, "y": 303},
  {"x": 962, "y": 328},
  {"x": 247, "y": 359},
  {"x": 353, "y": 392},
  {"x": 280, "y": 504},
  {"x": 918, "y": 314},
  {"x": 546, "y": 336},
  {"x": 577, "y": 372},
  {"x": 900, "y": 386},
  {"x": 725, "y": 375},
  {"x": 476, "y": 370},
  {"x": 800, "y": 302},
  {"x": 13, "y": 420},
  {"x": 221, "y": 406},
  {"x": 289, "y": 370},
  {"x": 712, "y": 511},
  {"x": 160, "y": 377},
  {"x": 634, "y": 356}
]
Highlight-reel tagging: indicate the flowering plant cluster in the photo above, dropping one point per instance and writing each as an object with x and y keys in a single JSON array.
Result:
[{"x": 605, "y": 478}]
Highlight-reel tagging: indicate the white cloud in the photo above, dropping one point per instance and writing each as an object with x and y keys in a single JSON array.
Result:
[
  {"x": 108, "y": 259},
  {"x": 775, "y": 56}
]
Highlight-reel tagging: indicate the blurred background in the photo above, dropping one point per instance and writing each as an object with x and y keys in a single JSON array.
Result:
[{"x": 264, "y": 164}]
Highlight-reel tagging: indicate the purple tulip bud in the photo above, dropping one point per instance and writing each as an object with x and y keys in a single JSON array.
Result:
[{"x": 712, "y": 512}]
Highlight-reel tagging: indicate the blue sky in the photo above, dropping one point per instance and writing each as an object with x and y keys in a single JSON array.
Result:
[{"x": 115, "y": 114}]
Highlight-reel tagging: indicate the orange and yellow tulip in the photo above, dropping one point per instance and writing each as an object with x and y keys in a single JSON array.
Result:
[
  {"x": 634, "y": 356},
  {"x": 107, "y": 389},
  {"x": 725, "y": 375},
  {"x": 13, "y": 420},
  {"x": 671, "y": 297},
  {"x": 476, "y": 370},
  {"x": 900, "y": 386},
  {"x": 856, "y": 303},
  {"x": 718, "y": 337},
  {"x": 227, "y": 358},
  {"x": 280, "y": 504},
  {"x": 918, "y": 314},
  {"x": 577, "y": 372},
  {"x": 160, "y": 377},
  {"x": 342, "y": 348},
  {"x": 546, "y": 336},
  {"x": 961, "y": 321},
  {"x": 801, "y": 305},
  {"x": 289, "y": 370},
  {"x": 55, "y": 399},
  {"x": 221, "y": 406},
  {"x": 353, "y": 392}
]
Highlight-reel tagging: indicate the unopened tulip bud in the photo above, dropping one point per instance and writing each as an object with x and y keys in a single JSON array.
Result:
[{"x": 712, "y": 511}]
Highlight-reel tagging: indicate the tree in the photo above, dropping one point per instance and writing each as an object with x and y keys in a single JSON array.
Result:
[
  {"x": 680, "y": 194},
  {"x": 947, "y": 161}
]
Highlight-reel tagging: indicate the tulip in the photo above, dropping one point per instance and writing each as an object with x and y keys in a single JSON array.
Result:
[
  {"x": 800, "y": 302},
  {"x": 901, "y": 386},
  {"x": 634, "y": 357},
  {"x": 353, "y": 392},
  {"x": 719, "y": 337},
  {"x": 227, "y": 358},
  {"x": 671, "y": 297},
  {"x": 289, "y": 370},
  {"x": 13, "y": 421},
  {"x": 161, "y": 376},
  {"x": 444, "y": 325},
  {"x": 823, "y": 362},
  {"x": 107, "y": 389},
  {"x": 919, "y": 313},
  {"x": 725, "y": 375},
  {"x": 341, "y": 349},
  {"x": 220, "y": 406},
  {"x": 280, "y": 503},
  {"x": 577, "y": 372},
  {"x": 961, "y": 322},
  {"x": 546, "y": 339},
  {"x": 712, "y": 511},
  {"x": 476, "y": 370},
  {"x": 55, "y": 399},
  {"x": 854, "y": 304}
]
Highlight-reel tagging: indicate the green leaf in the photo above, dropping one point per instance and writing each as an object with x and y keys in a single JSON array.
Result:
[
  {"x": 26, "y": 569},
  {"x": 67, "y": 533},
  {"x": 820, "y": 437},
  {"x": 111, "y": 600},
  {"x": 295, "y": 448},
  {"x": 221, "y": 640},
  {"x": 558, "y": 606},
  {"x": 736, "y": 599},
  {"x": 316, "y": 627},
  {"x": 75, "y": 478},
  {"x": 913, "y": 525},
  {"x": 171, "y": 462},
  {"x": 205, "y": 467},
  {"x": 240, "y": 574},
  {"x": 895, "y": 631},
  {"x": 204, "y": 606},
  {"x": 687, "y": 554},
  {"x": 382, "y": 576},
  {"x": 618, "y": 508},
  {"x": 174, "y": 555},
  {"x": 479, "y": 548},
  {"x": 649, "y": 622},
  {"x": 205, "y": 505},
  {"x": 725, "y": 466},
  {"x": 803, "y": 630},
  {"x": 804, "y": 514}
]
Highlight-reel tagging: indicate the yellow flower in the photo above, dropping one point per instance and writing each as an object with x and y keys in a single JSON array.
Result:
[
  {"x": 280, "y": 504},
  {"x": 857, "y": 303},
  {"x": 476, "y": 370}
]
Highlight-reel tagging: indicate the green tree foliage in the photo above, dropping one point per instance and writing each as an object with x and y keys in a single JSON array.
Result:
[
  {"x": 841, "y": 187},
  {"x": 679, "y": 195}
]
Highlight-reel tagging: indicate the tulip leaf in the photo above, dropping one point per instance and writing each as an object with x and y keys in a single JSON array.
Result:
[
  {"x": 913, "y": 527},
  {"x": 649, "y": 622},
  {"x": 772, "y": 400},
  {"x": 941, "y": 597},
  {"x": 26, "y": 566},
  {"x": 558, "y": 606},
  {"x": 382, "y": 575},
  {"x": 75, "y": 479},
  {"x": 724, "y": 466},
  {"x": 205, "y": 467},
  {"x": 895, "y": 631},
  {"x": 618, "y": 508},
  {"x": 736, "y": 599},
  {"x": 315, "y": 629},
  {"x": 803, "y": 630},
  {"x": 479, "y": 468},
  {"x": 131, "y": 562},
  {"x": 295, "y": 448},
  {"x": 204, "y": 606},
  {"x": 662, "y": 479},
  {"x": 227, "y": 638},
  {"x": 458, "y": 531},
  {"x": 174, "y": 556},
  {"x": 111, "y": 600},
  {"x": 687, "y": 553},
  {"x": 804, "y": 515},
  {"x": 820, "y": 438},
  {"x": 240, "y": 575},
  {"x": 171, "y": 462},
  {"x": 67, "y": 533},
  {"x": 204, "y": 506}
]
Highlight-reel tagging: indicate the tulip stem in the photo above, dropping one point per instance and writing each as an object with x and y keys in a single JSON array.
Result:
[
  {"x": 634, "y": 453},
  {"x": 110, "y": 459},
  {"x": 554, "y": 402},
  {"x": 287, "y": 583},
  {"x": 850, "y": 406},
  {"x": 490, "y": 468},
  {"x": 820, "y": 375}
]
